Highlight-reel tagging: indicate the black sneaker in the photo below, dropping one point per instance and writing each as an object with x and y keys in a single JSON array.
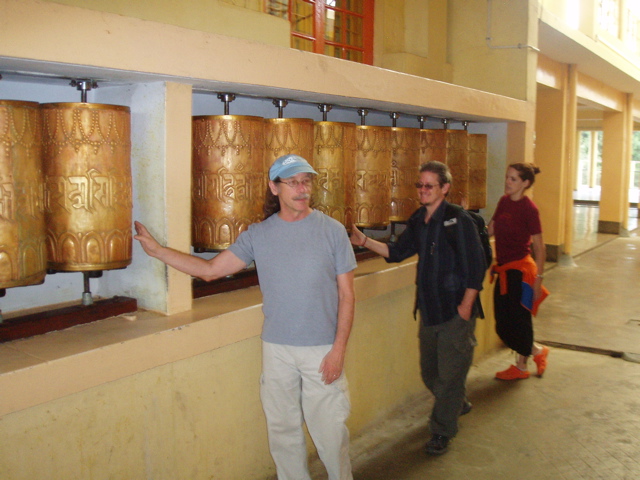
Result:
[
  {"x": 466, "y": 407},
  {"x": 438, "y": 445}
]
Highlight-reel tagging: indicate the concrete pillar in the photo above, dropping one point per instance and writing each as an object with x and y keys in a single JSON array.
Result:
[
  {"x": 161, "y": 168},
  {"x": 571, "y": 150},
  {"x": 178, "y": 189},
  {"x": 550, "y": 157},
  {"x": 520, "y": 142},
  {"x": 616, "y": 148}
]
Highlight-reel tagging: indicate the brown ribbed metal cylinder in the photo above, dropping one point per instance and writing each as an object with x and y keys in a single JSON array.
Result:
[
  {"x": 88, "y": 199},
  {"x": 334, "y": 160},
  {"x": 23, "y": 253},
  {"x": 350, "y": 178},
  {"x": 283, "y": 136},
  {"x": 449, "y": 147},
  {"x": 373, "y": 176},
  {"x": 405, "y": 163},
  {"x": 228, "y": 178},
  {"x": 477, "y": 171},
  {"x": 458, "y": 162},
  {"x": 433, "y": 145}
]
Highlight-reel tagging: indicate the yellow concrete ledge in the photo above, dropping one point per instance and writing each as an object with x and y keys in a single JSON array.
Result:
[{"x": 47, "y": 367}]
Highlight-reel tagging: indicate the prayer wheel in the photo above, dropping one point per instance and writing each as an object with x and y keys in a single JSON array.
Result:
[
  {"x": 477, "y": 171},
  {"x": 458, "y": 162},
  {"x": 88, "y": 198},
  {"x": 373, "y": 176},
  {"x": 334, "y": 160},
  {"x": 433, "y": 145},
  {"x": 288, "y": 135},
  {"x": 449, "y": 147},
  {"x": 405, "y": 164},
  {"x": 23, "y": 253},
  {"x": 228, "y": 175}
]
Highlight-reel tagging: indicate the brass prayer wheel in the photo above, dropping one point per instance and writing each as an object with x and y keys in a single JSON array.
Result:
[
  {"x": 433, "y": 145},
  {"x": 477, "y": 171},
  {"x": 288, "y": 135},
  {"x": 228, "y": 176},
  {"x": 405, "y": 163},
  {"x": 334, "y": 160},
  {"x": 23, "y": 253},
  {"x": 373, "y": 176},
  {"x": 449, "y": 147},
  {"x": 88, "y": 198},
  {"x": 458, "y": 162}
]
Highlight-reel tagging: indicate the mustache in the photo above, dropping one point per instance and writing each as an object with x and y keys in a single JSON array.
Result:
[{"x": 302, "y": 196}]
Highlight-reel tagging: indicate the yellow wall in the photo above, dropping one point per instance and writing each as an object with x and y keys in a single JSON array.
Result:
[
  {"x": 614, "y": 204},
  {"x": 189, "y": 419},
  {"x": 411, "y": 37},
  {"x": 550, "y": 157},
  {"x": 215, "y": 16},
  {"x": 505, "y": 71},
  {"x": 583, "y": 19}
]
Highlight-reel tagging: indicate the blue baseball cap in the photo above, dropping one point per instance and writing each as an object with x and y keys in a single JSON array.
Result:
[{"x": 289, "y": 165}]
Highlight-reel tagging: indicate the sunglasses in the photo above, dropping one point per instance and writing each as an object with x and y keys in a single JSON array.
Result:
[
  {"x": 306, "y": 182},
  {"x": 428, "y": 186}
]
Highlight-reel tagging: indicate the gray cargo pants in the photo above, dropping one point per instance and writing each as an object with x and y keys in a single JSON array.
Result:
[{"x": 446, "y": 353}]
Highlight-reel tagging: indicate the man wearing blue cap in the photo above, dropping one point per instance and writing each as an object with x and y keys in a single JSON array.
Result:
[{"x": 305, "y": 265}]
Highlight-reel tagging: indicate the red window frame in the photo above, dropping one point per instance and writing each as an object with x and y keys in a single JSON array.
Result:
[{"x": 318, "y": 40}]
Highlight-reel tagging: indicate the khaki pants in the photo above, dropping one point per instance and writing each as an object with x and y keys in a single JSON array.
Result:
[{"x": 293, "y": 392}]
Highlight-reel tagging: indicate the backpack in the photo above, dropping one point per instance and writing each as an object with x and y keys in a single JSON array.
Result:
[{"x": 452, "y": 211}]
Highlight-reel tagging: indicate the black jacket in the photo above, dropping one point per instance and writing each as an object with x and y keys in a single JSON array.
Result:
[{"x": 444, "y": 272}]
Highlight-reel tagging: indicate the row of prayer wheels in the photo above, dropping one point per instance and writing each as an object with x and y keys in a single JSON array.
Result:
[
  {"x": 366, "y": 174},
  {"x": 65, "y": 175},
  {"x": 66, "y": 199}
]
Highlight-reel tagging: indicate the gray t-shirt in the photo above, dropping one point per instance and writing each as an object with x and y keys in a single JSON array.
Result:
[{"x": 297, "y": 264}]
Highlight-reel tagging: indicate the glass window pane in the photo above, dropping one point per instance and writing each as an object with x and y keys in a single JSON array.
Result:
[
  {"x": 584, "y": 160},
  {"x": 333, "y": 51},
  {"x": 355, "y": 6},
  {"x": 302, "y": 44},
  {"x": 354, "y": 56},
  {"x": 609, "y": 16},
  {"x": 633, "y": 31},
  {"x": 332, "y": 25},
  {"x": 302, "y": 17},
  {"x": 278, "y": 8},
  {"x": 353, "y": 31}
]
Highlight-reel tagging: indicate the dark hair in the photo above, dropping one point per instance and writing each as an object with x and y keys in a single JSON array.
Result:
[
  {"x": 526, "y": 171},
  {"x": 440, "y": 169},
  {"x": 271, "y": 202}
]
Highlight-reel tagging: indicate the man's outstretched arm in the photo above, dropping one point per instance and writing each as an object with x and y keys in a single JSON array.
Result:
[{"x": 223, "y": 264}]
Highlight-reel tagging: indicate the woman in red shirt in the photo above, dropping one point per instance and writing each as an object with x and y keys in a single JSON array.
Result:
[{"x": 519, "y": 290}]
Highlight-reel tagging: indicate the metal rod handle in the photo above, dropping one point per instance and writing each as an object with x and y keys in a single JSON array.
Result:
[
  {"x": 280, "y": 104},
  {"x": 227, "y": 98},
  {"x": 363, "y": 113}
]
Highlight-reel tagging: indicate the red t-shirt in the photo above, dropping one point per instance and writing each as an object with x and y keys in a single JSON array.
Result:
[{"x": 513, "y": 225}]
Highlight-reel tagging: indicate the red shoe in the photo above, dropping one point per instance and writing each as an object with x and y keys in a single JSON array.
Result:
[
  {"x": 541, "y": 360},
  {"x": 512, "y": 373}
]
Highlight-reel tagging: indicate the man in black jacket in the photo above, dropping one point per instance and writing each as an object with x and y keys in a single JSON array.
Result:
[{"x": 448, "y": 280}]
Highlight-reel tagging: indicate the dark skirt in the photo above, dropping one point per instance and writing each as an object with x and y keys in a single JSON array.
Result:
[{"x": 514, "y": 325}]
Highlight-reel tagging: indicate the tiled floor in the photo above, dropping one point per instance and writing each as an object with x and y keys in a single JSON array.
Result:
[{"x": 580, "y": 421}]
